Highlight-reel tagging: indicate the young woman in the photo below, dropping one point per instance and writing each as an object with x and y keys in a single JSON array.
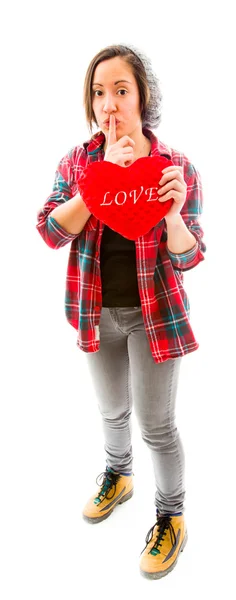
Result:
[{"x": 126, "y": 298}]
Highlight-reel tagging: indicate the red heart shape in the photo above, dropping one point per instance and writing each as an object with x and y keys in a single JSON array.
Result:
[{"x": 123, "y": 197}]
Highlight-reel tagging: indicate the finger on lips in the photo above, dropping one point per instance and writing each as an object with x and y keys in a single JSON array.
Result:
[{"x": 112, "y": 139}]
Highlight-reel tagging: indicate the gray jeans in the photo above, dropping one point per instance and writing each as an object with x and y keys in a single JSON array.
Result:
[{"x": 124, "y": 372}]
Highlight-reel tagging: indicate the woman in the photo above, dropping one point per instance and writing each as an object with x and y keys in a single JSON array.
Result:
[{"x": 126, "y": 298}]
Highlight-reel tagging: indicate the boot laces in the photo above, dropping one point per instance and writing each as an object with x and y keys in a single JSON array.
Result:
[
  {"x": 164, "y": 524},
  {"x": 109, "y": 480}
]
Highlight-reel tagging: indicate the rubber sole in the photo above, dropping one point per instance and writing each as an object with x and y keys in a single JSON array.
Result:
[
  {"x": 99, "y": 519},
  {"x": 163, "y": 573}
]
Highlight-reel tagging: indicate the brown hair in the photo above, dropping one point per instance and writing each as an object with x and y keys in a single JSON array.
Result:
[{"x": 137, "y": 70}]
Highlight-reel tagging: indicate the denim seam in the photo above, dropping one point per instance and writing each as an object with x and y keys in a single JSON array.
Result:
[
  {"x": 168, "y": 415},
  {"x": 127, "y": 394},
  {"x": 168, "y": 411}
]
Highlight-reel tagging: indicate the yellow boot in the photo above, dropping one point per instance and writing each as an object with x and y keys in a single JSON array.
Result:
[
  {"x": 115, "y": 488},
  {"x": 164, "y": 541}
]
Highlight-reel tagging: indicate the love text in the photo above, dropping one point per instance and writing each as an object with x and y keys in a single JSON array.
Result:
[{"x": 121, "y": 197}]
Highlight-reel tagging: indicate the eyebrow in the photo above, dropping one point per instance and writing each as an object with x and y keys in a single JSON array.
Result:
[{"x": 115, "y": 83}]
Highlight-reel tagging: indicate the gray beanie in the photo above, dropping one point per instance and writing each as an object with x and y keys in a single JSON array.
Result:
[{"x": 152, "y": 115}]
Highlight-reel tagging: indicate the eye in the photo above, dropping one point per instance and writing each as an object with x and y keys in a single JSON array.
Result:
[{"x": 100, "y": 92}]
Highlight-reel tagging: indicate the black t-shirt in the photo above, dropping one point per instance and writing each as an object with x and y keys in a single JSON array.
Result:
[{"x": 118, "y": 270}]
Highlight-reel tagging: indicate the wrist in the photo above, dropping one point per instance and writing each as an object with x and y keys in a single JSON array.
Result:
[{"x": 174, "y": 220}]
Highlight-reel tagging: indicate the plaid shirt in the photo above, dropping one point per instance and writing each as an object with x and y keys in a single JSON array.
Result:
[{"x": 164, "y": 302}]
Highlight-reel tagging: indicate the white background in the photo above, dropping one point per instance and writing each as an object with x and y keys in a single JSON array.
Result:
[{"x": 50, "y": 429}]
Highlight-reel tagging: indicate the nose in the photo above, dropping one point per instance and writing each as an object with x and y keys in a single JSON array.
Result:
[{"x": 109, "y": 104}]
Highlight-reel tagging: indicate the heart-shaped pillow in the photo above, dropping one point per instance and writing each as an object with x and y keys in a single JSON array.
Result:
[{"x": 125, "y": 198}]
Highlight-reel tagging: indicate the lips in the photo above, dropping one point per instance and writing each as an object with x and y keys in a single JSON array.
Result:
[{"x": 107, "y": 122}]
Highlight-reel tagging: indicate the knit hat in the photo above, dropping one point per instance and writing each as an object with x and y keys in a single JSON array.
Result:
[{"x": 152, "y": 115}]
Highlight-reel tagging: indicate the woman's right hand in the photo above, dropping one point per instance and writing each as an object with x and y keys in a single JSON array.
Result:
[{"x": 119, "y": 152}]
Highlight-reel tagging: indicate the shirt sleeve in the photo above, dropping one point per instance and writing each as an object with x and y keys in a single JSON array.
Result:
[
  {"x": 53, "y": 234},
  {"x": 191, "y": 214}
]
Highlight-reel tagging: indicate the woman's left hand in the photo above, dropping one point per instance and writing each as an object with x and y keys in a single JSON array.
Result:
[{"x": 173, "y": 186}]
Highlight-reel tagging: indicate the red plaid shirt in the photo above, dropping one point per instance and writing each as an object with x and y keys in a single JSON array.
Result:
[{"x": 164, "y": 302}]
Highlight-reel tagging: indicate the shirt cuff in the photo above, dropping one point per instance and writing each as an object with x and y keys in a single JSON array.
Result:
[
  {"x": 59, "y": 234},
  {"x": 183, "y": 260}
]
